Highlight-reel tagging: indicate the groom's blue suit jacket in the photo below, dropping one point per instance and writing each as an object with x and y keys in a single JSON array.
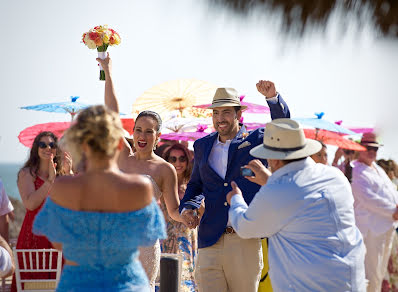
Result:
[{"x": 205, "y": 182}]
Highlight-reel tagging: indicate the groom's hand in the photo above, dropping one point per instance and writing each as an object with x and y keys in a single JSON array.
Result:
[
  {"x": 190, "y": 218},
  {"x": 266, "y": 88}
]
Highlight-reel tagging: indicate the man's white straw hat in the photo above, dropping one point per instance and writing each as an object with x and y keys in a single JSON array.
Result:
[{"x": 284, "y": 139}]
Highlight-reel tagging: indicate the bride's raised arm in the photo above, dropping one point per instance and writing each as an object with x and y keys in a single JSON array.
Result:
[{"x": 110, "y": 96}]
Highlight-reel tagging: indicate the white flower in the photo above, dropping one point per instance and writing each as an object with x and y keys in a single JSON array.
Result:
[{"x": 89, "y": 43}]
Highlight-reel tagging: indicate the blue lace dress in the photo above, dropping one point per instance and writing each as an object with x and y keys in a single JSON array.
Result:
[{"x": 104, "y": 245}]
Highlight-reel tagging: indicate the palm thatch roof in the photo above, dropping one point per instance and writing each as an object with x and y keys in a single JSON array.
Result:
[{"x": 300, "y": 15}]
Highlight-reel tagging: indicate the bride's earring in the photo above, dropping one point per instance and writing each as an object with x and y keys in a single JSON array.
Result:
[{"x": 156, "y": 144}]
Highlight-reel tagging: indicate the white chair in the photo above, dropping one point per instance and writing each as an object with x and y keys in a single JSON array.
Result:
[{"x": 37, "y": 261}]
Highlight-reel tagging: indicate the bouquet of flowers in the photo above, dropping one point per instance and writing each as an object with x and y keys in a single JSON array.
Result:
[{"x": 100, "y": 37}]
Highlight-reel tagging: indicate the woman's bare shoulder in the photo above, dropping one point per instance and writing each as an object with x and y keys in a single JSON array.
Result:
[
  {"x": 64, "y": 189},
  {"x": 163, "y": 164},
  {"x": 25, "y": 176},
  {"x": 139, "y": 185},
  {"x": 24, "y": 172},
  {"x": 167, "y": 168}
]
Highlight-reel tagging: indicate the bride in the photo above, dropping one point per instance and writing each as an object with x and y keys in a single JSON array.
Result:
[{"x": 145, "y": 161}]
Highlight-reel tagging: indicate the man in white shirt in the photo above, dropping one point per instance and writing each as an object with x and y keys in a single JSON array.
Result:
[
  {"x": 306, "y": 211},
  {"x": 7, "y": 265},
  {"x": 376, "y": 211},
  {"x": 5, "y": 209}
]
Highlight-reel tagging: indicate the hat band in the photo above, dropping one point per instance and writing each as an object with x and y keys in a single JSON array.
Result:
[
  {"x": 283, "y": 149},
  {"x": 226, "y": 100}
]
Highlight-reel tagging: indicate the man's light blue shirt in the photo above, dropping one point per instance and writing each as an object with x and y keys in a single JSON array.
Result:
[{"x": 306, "y": 211}]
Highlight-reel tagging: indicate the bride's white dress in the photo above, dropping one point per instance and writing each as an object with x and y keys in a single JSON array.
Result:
[{"x": 150, "y": 255}]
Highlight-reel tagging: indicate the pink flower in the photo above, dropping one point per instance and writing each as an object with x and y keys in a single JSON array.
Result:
[
  {"x": 93, "y": 35},
  {"x": 201, "y": 128}
]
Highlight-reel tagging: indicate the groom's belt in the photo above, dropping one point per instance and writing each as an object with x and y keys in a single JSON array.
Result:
[{"x": 229, "y": 230}]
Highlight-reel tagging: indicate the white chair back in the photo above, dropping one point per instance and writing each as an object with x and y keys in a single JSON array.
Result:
[{"x": 31, "y": 261}]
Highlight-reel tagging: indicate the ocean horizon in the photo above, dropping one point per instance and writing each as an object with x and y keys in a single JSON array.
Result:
[{"x": 8, "y": 174}]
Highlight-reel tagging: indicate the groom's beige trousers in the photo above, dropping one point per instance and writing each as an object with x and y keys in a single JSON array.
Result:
[{"x": 232, "y": 264}]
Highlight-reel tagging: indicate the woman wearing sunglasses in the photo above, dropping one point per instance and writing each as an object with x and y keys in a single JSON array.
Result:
[
  {"x": 35, "y": 180},
  {"x": 181, "y": 239}
]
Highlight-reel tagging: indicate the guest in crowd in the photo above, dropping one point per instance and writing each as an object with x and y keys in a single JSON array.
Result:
[
  {"x": 376, "y": 211},
  {"x": 7, "y": 265},
  {"x": 147, "y": 130},
  {"x": 6, "y": 209},
  {"x": 342, "y": 160},
  {"x": 388, "y": 166},
  {"x": 218, "y": 160},
  {"x": 322, "y": 155},
  {"x": 100, "y": 217},
  {"x": 35, "y": 180},
  {"x": 161, "y": 148},
  {"x": 181, "y": 239},
  {"x": 306, "y": 211},
  {"x": 390, "y": 281}
]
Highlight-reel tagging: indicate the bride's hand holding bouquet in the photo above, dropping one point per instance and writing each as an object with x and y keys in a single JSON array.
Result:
[{"x": 100, "y": 38}]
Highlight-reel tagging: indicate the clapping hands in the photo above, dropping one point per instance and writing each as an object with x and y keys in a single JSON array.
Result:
[{"x": 52, "y": 169}]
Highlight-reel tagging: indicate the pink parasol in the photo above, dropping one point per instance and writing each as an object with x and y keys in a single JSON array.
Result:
[
  {"x": 252, "y": 108},
  {"x": 27, "y": 136},
  {"x": 332, "y": 138},
  {"x": 253, "y": 126},
  {"x": 186, "y": 136},
  {"x": 357, "y": 130}
]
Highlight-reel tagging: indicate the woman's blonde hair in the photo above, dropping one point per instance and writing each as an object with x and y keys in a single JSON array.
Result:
[{"x": 98, "y": 127}]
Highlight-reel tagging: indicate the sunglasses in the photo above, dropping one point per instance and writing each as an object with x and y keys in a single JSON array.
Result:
[
  {"x": 348, "y": 152},
  {"x": 370, "y": 148},
  {"x": 173, "y": 159},
  {"x": 43, "y": 145}
]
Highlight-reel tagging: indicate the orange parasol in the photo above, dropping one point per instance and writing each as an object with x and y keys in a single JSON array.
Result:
[{"x": 332, "y": 138}]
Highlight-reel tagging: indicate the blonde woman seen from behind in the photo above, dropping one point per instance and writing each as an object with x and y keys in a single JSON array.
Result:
[{"x": 100, "y": 217}]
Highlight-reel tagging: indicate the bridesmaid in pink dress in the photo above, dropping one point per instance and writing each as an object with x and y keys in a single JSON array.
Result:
[{"x": 34, "y": 183}]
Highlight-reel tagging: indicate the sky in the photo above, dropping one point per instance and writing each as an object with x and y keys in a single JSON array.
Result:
[{"x": 348, "y": 73}]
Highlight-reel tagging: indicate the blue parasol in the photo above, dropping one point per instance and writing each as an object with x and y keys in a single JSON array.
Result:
[
  {"x": 319, "y": 123},
  {"x": 71, "y": 107}
]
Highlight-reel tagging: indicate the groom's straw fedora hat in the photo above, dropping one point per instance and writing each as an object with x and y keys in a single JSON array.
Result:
[
  {"x": 226, "y": 97},
  {"x": 284, "y": 139}
]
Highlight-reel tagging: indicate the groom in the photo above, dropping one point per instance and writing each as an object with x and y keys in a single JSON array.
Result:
[{"x": 226, "y": 262}]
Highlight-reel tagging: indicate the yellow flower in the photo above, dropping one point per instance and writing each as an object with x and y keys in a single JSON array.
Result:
[
  {"x": 244, "y": 135},
  {"x": 117, "y": 39},
  {"x": 105, "y": 39}
]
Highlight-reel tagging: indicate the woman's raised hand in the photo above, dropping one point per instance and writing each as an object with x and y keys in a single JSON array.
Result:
[
  {"x": 52, "y": 172},
  {"x": 106, "y": 64},
  {"x": 67, "y": 163}
]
